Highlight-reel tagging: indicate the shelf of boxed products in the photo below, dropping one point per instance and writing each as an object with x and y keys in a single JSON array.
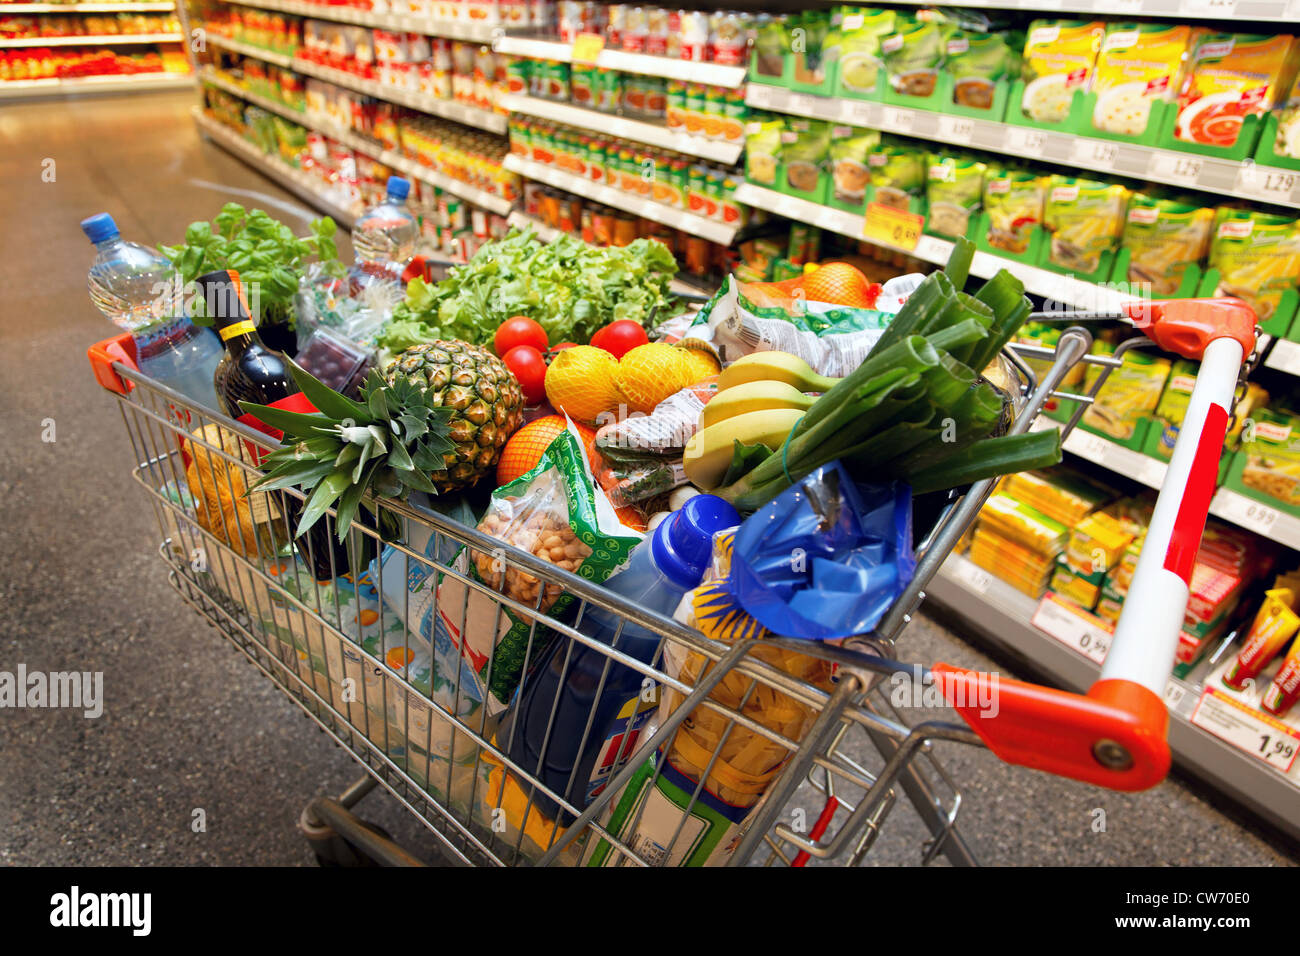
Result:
[
  {"x": 1044, "y": 282},
  {"x": 473, "y": 30},
  {"x": 388, "y": 157},
  {"x": 84, "y": 7},
  {"x": 1069, "y": 656},
  {"x": 688, "y": 71},
  {"x": 1244, "y": 179},
  {"x": 295, "y": 180},
  {"x": 92, "y": 39},
  {"x": 458, "y": 112},
  {"x": 718, "y": 232},
  {"x": 79, "y": 85},
  {"x": 652, "y": 134},
  {"x": 1264, "y": 10},
  {"x": 1227, "y": 504}
]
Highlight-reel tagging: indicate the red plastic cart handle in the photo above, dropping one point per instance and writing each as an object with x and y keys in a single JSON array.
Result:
[
  {"x": 1187, "y": 326},
  {"x": 102, "y": 355}
]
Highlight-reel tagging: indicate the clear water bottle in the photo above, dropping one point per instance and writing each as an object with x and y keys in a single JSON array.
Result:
[
  {"x": 560, "y": 693},
  {"x": 387, "y": 233},
  {"x": 137, "y": 289}
]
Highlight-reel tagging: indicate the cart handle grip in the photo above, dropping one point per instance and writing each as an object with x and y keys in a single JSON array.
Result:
[
  {"x": 1188, "y": 326},
  {"x": 102, "y": 355},
  {"x": 1114, "y": 736}
]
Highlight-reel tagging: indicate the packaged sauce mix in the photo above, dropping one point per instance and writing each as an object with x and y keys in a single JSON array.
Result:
[
  {"x": 912, "y": 55},
  {"x": 1131, "y": 392},
  {"x": 1232, "y": 76},
  {"x": 850, "y": 148},
  {"x": 1085, "y": 218},
  {"x": 1164, "y": 237},
  {"x": 1013, "y": 200},
  {"x": 1257, "y": 255},
  {"x": 977, "y": 61},
  {"x": 861, "y": 32},
  {"x": 1059, "y": 58},
  {"x": 1287, "y": 142},
  {"x": 1139, "y": 64},
  {"x": 1272, "y": 465},
  {"x": 954, "y": 186}
]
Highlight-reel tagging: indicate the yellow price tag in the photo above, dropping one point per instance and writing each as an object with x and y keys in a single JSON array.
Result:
[
  {"x": 586, "y": 48},
  {"x": 888, "y": 226}
]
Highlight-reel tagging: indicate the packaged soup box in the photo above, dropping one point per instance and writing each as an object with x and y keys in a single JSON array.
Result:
[
  {"x": 1232, "y": 76},
  {"x": 1139, "y": 64},
  {"x": 1060, "y": 56}
]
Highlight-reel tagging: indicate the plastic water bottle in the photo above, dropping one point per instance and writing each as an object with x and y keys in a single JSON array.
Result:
[
  {"x": 660, "y": 570},
  {"x": 136, "y": 288},
  {"x": 387, "y": 233}
]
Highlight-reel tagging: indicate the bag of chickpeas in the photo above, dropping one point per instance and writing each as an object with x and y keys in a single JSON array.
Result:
[{"x": 555, "y": 512}]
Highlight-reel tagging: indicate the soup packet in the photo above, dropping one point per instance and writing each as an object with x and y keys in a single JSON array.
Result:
[
  {"x": 1164, "y": 237},
  {"x": 912, "y": 55},
  {"x": 954, "y": 187},
  {"x": 1139, "y": 64},
  {"x": 1059, "y": 58},
  {"x": 1013, "y": 199},
  {"x": 1085, "y": 219},
  {"x": 1230, "y": 77},
  {"x": 1257, "y": 255},
  {"x": 897, "y": 173},
  {"x": 850, "y": 147}
]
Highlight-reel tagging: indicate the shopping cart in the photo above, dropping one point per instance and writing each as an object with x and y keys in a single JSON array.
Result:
[{"x": 351, "y": 659}]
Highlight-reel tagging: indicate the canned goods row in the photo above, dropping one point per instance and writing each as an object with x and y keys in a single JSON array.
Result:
[
  {"x": 663, "y": 177},
  {"x": 719, "y": 36}
]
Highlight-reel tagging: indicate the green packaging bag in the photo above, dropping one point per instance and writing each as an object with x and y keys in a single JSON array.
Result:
[
  {"x": 1163, "y": 238},
  {"x": 1013, "y": 201},
  {"x": 954, "y": 187},
  {"x": 897, "y": 173},
  {"x": 850, "y": 149}
]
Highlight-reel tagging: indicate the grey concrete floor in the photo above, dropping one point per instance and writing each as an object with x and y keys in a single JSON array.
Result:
[{"x": 187, "y": 723}]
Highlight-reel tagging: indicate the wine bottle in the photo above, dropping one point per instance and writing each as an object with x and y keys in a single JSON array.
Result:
[{"x": 252, "y": 372}]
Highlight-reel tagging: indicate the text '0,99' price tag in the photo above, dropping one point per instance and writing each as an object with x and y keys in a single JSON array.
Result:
[
  {"x": 1251, "y": 515},
  {"x": 888, "y": 226},
  {"x": 1248, "y": 729},
  {"x": 1077, "y": 630},
  {"x": 586, "y": 48}
]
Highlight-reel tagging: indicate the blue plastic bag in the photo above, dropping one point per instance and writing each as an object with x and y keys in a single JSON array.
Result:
[{"x": 826, "y": 558}]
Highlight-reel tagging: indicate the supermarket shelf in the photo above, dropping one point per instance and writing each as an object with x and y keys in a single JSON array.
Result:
[
  {"x": 1267, "y": 10},
  {"x": 1246, "y": 180},
  {"x": 84, "y": 7},
  {"x": 93, "y": 39},
  {"x": 1001, "y": 614},
  {"x": 695, "y": 225},
  {"x": 386, "y": 156},
  {"x": 651, "y": 133},
  {"x": 1285, "y": 357},
  {"x": 448, "y": 109},
  {"x": 80, "y": 85},
  {"x": 1231, "y": 506},
  {"x": 295, "y": 180},
  {"x": 429, "y": 26},
  {"x": 688, "y": 71},
  {"x": 1044, "y": 282}
]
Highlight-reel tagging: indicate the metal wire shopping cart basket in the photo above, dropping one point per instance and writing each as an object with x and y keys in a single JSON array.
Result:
[{"x": 317, "y": 642}]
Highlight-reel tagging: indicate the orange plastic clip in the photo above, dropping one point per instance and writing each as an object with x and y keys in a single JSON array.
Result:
[
  {"x": 1113, "y": 737},
  {"x": 120, "y": 348},
  {"x": 1187, "y": 326}
]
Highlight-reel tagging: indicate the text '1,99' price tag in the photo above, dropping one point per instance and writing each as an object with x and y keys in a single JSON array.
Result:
[
  {"x": 892, "y": 227},
  {"x": 1248, "y": 729},
  {"x": 586, "y": 48},
  {"x": 1077, "y": 630}
]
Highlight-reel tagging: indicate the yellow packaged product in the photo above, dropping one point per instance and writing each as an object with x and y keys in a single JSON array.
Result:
[
  {"x": 1131, "y": 392},
  {"x": 1163, "y": 237},
  {"x": 1061, "y": 494},
  {"x": 1231, "y": 76},
  {"x": 1257, "y": 255},
  {"x": 1272, "y": 453},
  {"x": 1012, "y": 557},
  {"x": 1016, "y": 521},
  {"x": 1083, "y": 590},
  {"x": 1096, "y": 543},
  {"x": 1059, "y": 58},
  {"x": 993, "y": 558},
  {"x": 1085, "y": 219},
  {"x": 1287, "y": 142},
  {"x": 1139, "y": 64}
]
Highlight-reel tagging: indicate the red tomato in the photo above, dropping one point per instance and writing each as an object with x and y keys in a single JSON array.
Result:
[
  {"x": 517, "y": 331},
  {"x": 560, "y": 348},
  {"x": 528, "y": 365},
  {"x": 620, "y": 337}
]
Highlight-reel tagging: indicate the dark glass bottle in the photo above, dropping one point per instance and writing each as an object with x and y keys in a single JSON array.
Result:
[{"x": 252, "y": 372}]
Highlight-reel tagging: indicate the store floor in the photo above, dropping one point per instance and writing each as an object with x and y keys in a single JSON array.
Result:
[{"x": 187, "y": 724}]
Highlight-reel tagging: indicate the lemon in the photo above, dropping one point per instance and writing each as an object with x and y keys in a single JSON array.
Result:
[{"x": 580, "y": 383}]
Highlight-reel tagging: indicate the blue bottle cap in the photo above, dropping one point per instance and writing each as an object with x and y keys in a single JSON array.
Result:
[
  {"x": 682, "y": 544},
  {"x": 398, "y": 188},
  {"x": 99, "y": 227}
]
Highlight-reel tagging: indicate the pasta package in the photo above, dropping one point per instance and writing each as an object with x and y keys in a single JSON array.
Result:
[
  {"x": 897, "y": 173},
  {"x": 1086, "y": 220},
  {"x": 1164, "y": 237},
  {"x": 1139, "y": 64},
  {"x": 1013, "y": 200},
  {"x": 1131, "y": 392},
  {"x": 1232, "y": 76},
  {"x": 1060, "y": 56},
  {"x": 1272, "y": 455},
  {"x": 954, "y": 186},
  {"x": 1257, "y": 255}
]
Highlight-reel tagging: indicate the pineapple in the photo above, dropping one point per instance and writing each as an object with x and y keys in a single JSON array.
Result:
[
  {"x": 435, "y": 420},
  {"x": 485, "y": 399}
]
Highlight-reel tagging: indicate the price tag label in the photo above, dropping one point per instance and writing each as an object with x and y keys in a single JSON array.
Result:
[
  {"x": 956, "y": 129},
  {"x": 860, "y": 113},
  {"x": 885, "y": 225},
  {"x": 1151, "y": 472},
  {"x": 1026, "y": 142},
  {"x": 1166, "y": 167},
  {"x": 897, "y": 121},
  {"x": 1250, "y": 514},
  {"x": 1090, "y": 446},
  {"x": 586, "y": 48},
  {"x": 1210, "y": 8},
  {"x": 1095, "y": 153},
  {"x": 1265, "y": 182},
  {"x": 1175, "y": 694},
  {"x": 1247, "y": 729},
  {"x": 972, "y": 576},
  {"x": 1077, "y": 630},
  {"x": 1124, "y": 6},
  {"x": 1285, "y": 357}
]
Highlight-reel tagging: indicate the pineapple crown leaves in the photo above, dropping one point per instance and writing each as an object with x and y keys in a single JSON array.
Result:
[{"x": 387, "y": 444}]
